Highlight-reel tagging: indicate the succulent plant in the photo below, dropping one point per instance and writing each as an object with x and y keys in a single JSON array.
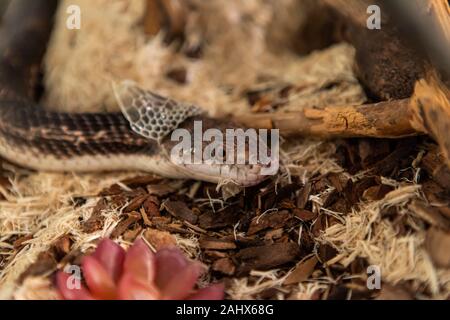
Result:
[{"x": 110, "y": 273}]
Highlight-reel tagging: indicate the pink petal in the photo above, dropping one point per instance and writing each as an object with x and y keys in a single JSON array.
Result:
[
  {"x": 130, "y": 289},
  {"x": 182, "y": 284},
  {"x": 98, "y": 279},
  {"x": 62, "y": 280},
  {"x": 111, "y": 257},
  {"x": 140, "y": 263},
  {"x": 213, "y": 292},
  {"x": 169, "y": 262}
]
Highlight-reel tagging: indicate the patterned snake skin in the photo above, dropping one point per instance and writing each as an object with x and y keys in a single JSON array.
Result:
[{"x": 33, "y": 137}]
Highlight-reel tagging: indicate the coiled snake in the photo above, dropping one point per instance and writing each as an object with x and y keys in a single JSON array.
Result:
[{"x": 33, "y": 137}]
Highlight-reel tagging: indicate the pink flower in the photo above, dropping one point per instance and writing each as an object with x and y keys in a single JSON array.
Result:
[{"x": 111, "y": 273}]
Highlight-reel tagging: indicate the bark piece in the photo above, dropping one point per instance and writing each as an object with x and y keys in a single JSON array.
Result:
[
  {"x": 430, "y": 214},
  {"x": 96, "y": 220},
  {"x": 159, "y": 239},
  {"x": 269, "y": 220},
  {"x": 434, "y": 164},
  {"x": 61, "y": 247},
  {"x": 431, "y": 113},
  {"x": 217, "y": 220},
  {"x": 161, "y": 190},
  {"x": 151, "y": 206},
  {"x": 125, "y": 224},
  {"x": 303, "y": 196},
  {"x": 305, "y": 215},
  {"x": 225, "y": 266},
  {"x": 19, "y": 243},
  {"x": 302, "y": 271},
  {"x": 131, "y": 235},
  {"x": 338, "y": 180},
  {"x": 438, "y": 246},
  {"x": 274, "y": 234},
  {"x": 213, "y": 254},
  {"x": 135, "y": 204},
  {"x": 266, "y": 257},
  {"x": 376, "y": 192},
  {"x": 434, "y": 193},
  {"x": 180, "y": 210},
  {"x": 44, "y": 263},
  {"x": 216, "y": 244}
]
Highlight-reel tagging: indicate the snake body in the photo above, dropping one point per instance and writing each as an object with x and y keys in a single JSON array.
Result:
[{"x": 50, "y": 141}]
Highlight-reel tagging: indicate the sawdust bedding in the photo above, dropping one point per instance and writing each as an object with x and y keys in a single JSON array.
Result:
[{"x": 335, "y": 208}]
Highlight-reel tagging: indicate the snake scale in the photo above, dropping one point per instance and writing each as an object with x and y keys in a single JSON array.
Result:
[{"x": 38, "y": 139}]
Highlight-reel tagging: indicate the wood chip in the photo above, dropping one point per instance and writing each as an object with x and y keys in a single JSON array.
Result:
[
  {"x": 135, "y": 204},
  {"x": 338, "y": 180},
  {"x": 20, "y": 243},
  {"x": 141, "y": 181},
  {"x": 161, "y": 190},
  {"x": 269, "y": 220},
  {"x": 151, "y": 206},
  {"x": 61, "y": 246},
  {"x": 303, "y": 196},
  {"x": 319, "y": 225},
  {"x": 159, "y": 239},
  {"x": 445, "y": 211},
  {"x": 376, "y": 192},
  {"x": 274, "y": 234},
  {"x": 213, "y": 254},
  {"x": 95, "y": 222},
  {"x": 429, "y": 214},
  {"x": 161, "y": 221},
  {"x": 304, "y": 215},
  {"x": 131, "y": 235},
  {"x": 302, "y": 271},
  {"x": 125, "y": 224},
  {"x": 225, "y": 266},
  {"x": 216, "y": 244},
  {"x": 217, "y": 220},
  {"x": 44, "y": 263},
  {"x": 266, "y": 257},
  {"x": 434, "y": 164},
  {"x": 391, "y": 162},
  {"x": 180, "y": 210},
  {"x": 327, "y": 253},
  {"x": 145, "y": 218},
  {"x": 438, "y": 246},
  {"x": 434, "y": 193}
]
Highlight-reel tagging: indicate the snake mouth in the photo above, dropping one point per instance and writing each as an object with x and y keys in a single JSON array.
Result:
[{"x": 243, "y": 175}]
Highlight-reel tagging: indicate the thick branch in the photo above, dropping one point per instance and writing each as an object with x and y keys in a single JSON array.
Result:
[
  {"x": 389, "y": 119},
  {"x": 431, "y": 111}
]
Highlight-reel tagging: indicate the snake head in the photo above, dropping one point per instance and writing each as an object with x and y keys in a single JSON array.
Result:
[{"x": 197, "y": 146}]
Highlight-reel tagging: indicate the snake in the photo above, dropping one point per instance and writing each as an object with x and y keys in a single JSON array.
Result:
[{"x": 134, "y": 139}]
